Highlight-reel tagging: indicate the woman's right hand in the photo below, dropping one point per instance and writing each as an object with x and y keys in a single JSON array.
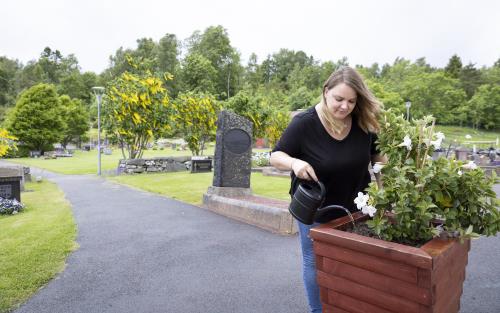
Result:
[{"x": 303, "y": 170}]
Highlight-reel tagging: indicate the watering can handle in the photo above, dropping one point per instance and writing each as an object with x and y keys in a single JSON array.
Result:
[{"x": 320, "y": 184}]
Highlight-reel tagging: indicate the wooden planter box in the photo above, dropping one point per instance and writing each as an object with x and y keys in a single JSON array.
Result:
[{"x": 361, "y": 274}]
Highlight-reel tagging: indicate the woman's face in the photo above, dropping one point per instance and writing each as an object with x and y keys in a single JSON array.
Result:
[{"x": 340, "y": 101}]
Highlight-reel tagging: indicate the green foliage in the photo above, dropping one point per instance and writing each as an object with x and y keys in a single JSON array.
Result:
[
  {"x": 76, "y": 118},
  {"x": 454, "y": 66},
  {"x": 214, "y": 45},
  {"x": 484, "y": 107},
  {"x": 195, "y": 117},
  {"x": 198, "y": 74},
  {"x": 37, "y": 118},
  {"x": 419, "y": 190},
  {"x": 137, "y": 108},
  {"x": 301, "y": 98},
  {"x": 7, "y": 142},
  {"x": 470, "y": 79},
  {"x": 275, "y": 125}
]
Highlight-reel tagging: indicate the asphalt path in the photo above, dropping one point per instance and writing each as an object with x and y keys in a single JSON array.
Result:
[{"x": 141, "y": 252}]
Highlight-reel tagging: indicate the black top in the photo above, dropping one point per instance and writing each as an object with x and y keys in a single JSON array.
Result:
[{"x": 342, "y": 165}]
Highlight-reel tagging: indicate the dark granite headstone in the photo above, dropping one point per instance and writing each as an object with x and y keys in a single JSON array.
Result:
[
  {"x": 233, "y": 151},
  {"x": 10, "y": 187},
  {"x": 201, "y": 166}
]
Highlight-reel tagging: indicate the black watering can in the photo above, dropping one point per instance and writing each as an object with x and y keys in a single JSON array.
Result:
[{"x": 307, "y": 200}]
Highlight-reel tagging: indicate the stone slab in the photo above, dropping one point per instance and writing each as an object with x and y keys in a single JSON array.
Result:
[{"x": 269, "y": 214}]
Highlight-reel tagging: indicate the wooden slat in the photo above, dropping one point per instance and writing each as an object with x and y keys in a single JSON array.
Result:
[
  {"x": 441, "y": 250},
  {"x": 333, "y": 309},
  {"x": 457, "y": 259},
  {"x": 353, "y": 305},
  {"x": 377, "y": 281},
  {"x": 367, "y": 294},
  {"x": 323, "y": 294},
  {"x": 379, "y": 248},
  {"x": 451, "y": 304},
  {"x": 368, "y": 262}
]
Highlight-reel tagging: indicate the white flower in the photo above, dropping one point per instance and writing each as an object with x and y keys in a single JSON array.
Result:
[
  {"x": 440, "y": 136},
  {"x": 436, "y": 143},
  {"x": 470, "y": 166},
  {"x": 440, "y": 229},
  {"x": 460, "y": 173},
  {"x": 468, "y": 136},
  {"x": 368, "y": 209},
  {"x": 377, "y": 167},
  {"x": 14, "y": 212},
  {"x": 361, "y": 200},
  {"x": 406, "y": 143}
]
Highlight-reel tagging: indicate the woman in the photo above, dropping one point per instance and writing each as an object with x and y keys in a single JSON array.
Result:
[{"x": 332, "y": 142}]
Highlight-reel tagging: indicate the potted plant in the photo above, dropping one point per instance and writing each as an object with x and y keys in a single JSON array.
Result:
[{"x": 409, "y": 247}]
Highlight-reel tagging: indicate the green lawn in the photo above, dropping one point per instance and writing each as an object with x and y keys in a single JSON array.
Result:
[
  {"x": 190, "y": 188},
  {"x": 34, "y": 243},
  {"x": 84, "y": 162},
  {"x": 453, "y": 133}
]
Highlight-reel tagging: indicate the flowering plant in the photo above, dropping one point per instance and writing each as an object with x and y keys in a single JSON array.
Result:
[{"x": 423, "y": 198}]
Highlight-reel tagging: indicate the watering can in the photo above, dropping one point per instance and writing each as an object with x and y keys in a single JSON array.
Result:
[{"x": 307, "y": 200}]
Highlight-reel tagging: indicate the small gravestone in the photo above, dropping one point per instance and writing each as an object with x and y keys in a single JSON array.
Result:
[
  {"x": 14, "y": 171},
  {"x": 35, "y": 153},
  {"x": 233, "y": 151},
  {"x": 201, "y": 164},
  {"x": 10, "y": 187}
]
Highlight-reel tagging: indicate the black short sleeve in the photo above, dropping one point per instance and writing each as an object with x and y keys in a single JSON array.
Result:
[
  {"x": 290, "y": 141},
  {"x": 373, "y": 144}
]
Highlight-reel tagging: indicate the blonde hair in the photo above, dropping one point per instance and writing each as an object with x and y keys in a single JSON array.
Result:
[{"x": 367, "y": 106}]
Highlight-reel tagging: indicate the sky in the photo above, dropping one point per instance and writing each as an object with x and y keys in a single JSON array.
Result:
[{"x": 363, "y": 31}]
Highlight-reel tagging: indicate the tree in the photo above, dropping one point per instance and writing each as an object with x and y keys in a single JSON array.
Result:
[
  {"x": 137, "y": 108},
  {"x": 167, "y": 53},
  {"x": 454, "y": 66},
  {"x": 8, "y": 70},
  {"x": 301, "y": 98},
  {"x": 470, "y": 79},
  {"x": 484, "y": 107},
  {"x": 37, "y": 118},
  {"x": 76, "y": 118},
  {"x": 215, "y": 46},
  {"x": 7, "y": 142},
  {"x": 195, "y": 117},
  {"x": 276, "y": 124},
  {"x": 198, "y": 74}
]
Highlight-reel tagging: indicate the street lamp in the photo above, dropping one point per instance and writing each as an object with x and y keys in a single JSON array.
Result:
[
  {"x": 98, "y": 92},
  {"x": 408, "y": 105}
]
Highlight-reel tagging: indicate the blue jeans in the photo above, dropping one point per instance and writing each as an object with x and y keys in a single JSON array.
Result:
[{"x": 309, "y": 268}]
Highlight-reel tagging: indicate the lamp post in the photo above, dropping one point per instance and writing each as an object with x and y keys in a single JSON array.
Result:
[
  {"x": 408, "y": 105},
  {"x": 98, "y": 92}
]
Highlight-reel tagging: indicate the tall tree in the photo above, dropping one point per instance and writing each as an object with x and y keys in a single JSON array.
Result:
[
  {"x": 454, "y": 66},
  {"x": 137, "y": 109},
  {"x": 484, "y": 107},
  {"x": 8, "y": 71},
  {"x": 167, "y": 54},
  {"x": 195, "y": 117},
  {"x": 37, "y": 118},
  {"x": 215, "y": 46},
  {"x": 76, "y": 118},
  {"x": 470, "y": 79},
  {"x": 198, "y": 74}
]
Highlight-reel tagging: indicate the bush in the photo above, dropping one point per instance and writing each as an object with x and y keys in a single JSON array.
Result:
[
  {"x": 8, "y": 206},
  {"x": 260, "y": 158}
]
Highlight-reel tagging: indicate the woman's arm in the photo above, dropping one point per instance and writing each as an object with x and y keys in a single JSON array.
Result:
[
  {"x": 284, "y": 162},
  {"x": 379, "y": 158}
]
